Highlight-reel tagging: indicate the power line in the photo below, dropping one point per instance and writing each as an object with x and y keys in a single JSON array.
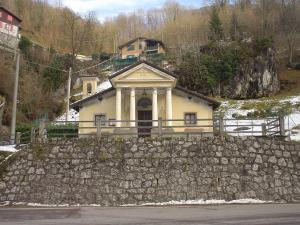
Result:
[
  {"x": 35, "y": 63},
  {"x": 79, "y": 71}
]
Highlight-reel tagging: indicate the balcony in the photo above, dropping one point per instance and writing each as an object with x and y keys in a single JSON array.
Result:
[{"x": 152, "y": 48}]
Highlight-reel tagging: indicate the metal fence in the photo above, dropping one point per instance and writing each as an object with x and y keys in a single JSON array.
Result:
[{"x": 161, "y": 127}]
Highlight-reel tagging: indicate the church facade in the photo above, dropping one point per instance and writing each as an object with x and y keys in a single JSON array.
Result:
[{"x": 141, "y": 96}]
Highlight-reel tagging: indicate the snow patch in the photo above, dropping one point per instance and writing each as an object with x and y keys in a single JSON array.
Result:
[
  {"x": 103, "y": 86},
  {"x": 73, "y": 115},
  {"x": 204, "y": 202},
  {"x": 231, "y": 108},
  {"x": 182, "y": 202},
  {"x": 8, "y": 148}
]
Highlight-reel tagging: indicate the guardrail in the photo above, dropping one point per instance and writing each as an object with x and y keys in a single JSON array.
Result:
[{"x": 161, "y": 127}]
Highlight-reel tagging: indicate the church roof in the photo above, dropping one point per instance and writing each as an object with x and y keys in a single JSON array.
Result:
[{"x": 142, "y": 38}]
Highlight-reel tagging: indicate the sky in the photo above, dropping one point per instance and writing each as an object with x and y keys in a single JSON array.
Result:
[{"x": 110, "y": 8}]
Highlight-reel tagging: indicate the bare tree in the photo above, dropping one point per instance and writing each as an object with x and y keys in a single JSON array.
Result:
[
  {"x": 290, "y": 25},
  {"x": 78, "y": 30}
]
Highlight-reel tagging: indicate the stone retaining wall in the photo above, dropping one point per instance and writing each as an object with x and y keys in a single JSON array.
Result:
[{"x": 114, "y": 172}]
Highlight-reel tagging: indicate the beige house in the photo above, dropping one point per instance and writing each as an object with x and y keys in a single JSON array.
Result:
[
  {"x": 141, "y": 46},
  {"x": 143, "y": 92}
]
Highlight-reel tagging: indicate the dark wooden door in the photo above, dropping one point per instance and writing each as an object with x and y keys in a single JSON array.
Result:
[{"x": 144, "y": 127}]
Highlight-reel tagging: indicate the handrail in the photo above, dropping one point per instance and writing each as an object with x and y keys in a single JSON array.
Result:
[{"x": 212, "y": 126}]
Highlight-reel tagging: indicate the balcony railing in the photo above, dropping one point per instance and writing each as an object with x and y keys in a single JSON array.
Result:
[{"x": 152, "y": 48}]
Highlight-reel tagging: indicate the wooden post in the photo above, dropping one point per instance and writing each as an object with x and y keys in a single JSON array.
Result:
[
  {"x": 1, "y": 115},
  {"x": 221, "y": 126},
  {"x": 98, "y": 128},
  {"x": 281, "y": 126},
  {"x": 18, "y": 138},
  {"x": 159, "y": 126},
  {"x": 264, "y": 129},
  {"x": 32, "y": 134},
  {"x": 42, "y": 129}
]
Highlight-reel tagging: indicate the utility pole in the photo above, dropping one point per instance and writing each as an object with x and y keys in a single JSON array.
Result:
[
  {"x": 68, "y": 94},
  {"x": 15, "y": 100}
]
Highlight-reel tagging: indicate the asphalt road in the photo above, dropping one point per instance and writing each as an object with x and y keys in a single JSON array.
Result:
[{"x": 270, "y": 214}]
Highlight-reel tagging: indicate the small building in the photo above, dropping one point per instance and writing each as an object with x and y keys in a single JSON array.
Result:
[
  {"x": 141, "y": 46},
  {"x": 9, "y": 28},
  {"x": 143, "y": 92}
]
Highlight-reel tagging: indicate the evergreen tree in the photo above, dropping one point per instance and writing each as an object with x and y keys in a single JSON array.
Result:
[{"x": 215, "y": 26}]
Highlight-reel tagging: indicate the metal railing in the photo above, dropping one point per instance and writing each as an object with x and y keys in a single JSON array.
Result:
[{"x": 161, "y": 127}]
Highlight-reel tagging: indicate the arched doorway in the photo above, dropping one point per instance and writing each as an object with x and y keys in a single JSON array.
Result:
[{"x": 144, "y": 111}]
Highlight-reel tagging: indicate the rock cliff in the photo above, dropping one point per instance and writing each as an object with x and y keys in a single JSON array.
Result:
[{"x": 257, "y": 77}]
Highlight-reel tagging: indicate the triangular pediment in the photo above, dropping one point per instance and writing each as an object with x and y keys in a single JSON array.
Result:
[{"x": 143, "y": 72}]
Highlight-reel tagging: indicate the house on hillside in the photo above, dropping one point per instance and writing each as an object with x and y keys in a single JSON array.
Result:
[
  {"x": 9, "y": 28},
  {"x": 138, "y": 98},
  {"x": 141, "y": 46}
]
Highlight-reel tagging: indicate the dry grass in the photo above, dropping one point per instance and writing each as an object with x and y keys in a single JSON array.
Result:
[{"x": 292, "y": 77}]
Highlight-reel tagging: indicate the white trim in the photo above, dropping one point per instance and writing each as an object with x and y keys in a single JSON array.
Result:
[{"x": 166, "y": 76}]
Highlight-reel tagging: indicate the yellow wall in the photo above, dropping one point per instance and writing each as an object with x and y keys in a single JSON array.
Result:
[
  {"x": 88, "y": 112},
  {"x": 85, "y": 82},
  {"x": 180, "y": 105}
]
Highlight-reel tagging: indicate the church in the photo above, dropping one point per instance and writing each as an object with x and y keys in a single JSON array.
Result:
[{"x": 138, "y": 98}]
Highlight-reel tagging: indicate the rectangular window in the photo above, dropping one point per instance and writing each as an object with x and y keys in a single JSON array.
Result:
[
  {"x": 130, "y": 47},
  {"x": 190, "y": 118},
  {"x": 101, "y": 118}
]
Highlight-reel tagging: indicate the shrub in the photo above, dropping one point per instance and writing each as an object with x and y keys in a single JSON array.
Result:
[
  {"x": 53, "y": 130},
  {"x": 261, "y": 44}
]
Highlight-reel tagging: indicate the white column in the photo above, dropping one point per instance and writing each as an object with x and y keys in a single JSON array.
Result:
[
  {"x": 132, "y": 106},
  {"x": 118, "y": 106},
  {"x": 169, "y": 113},
  {"x": 154, "y": 107}
]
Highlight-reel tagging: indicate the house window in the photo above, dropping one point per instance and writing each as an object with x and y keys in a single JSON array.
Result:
[
  {"x": 101, "y": 118},
  {"x": 130, "y": 47},
  {"x": 190, "y": 118}
]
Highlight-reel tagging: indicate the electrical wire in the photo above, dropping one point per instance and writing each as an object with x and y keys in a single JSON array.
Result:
[
  {"x": 35, "y": 63},
  {"x": 79, "y": 71}
]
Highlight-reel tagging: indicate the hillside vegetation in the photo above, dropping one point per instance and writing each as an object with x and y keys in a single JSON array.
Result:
[{"x": 52, "y": 35}]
